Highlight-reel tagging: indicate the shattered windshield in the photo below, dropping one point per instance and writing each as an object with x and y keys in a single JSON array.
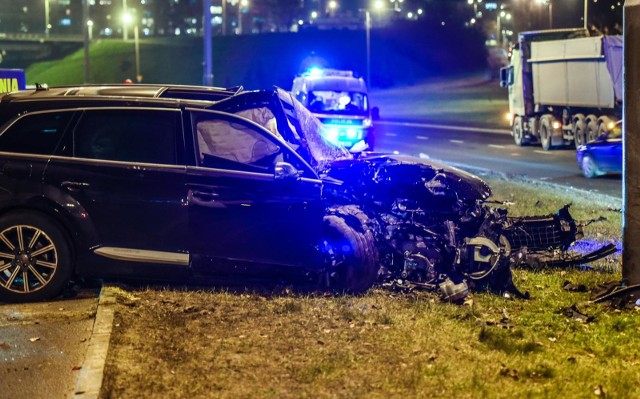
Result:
[
  {"x": 311, "y": 132},
  {"x": 338, "y": 102}
]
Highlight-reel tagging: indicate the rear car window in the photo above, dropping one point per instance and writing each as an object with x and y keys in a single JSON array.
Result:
[
  {"x": 35, "y": 134},
  {"x": 145, "y": 136}
]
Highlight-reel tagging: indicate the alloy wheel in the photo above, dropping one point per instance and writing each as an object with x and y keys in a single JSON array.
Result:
[{"x": 28, "y": 259}]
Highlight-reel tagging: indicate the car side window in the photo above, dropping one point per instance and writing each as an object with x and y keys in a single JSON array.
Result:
[
  {"x": 145, "y": 136},
  {"x": 229, "y": 144},
  {"x": 36, "y": 134}
]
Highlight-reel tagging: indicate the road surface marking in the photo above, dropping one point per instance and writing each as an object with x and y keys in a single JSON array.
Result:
[
  {"x": 422, "y": 137},
  {"x": 457, "y": 141},
  {"x": 445, "y": 127},
  {"x": 391, "y": 134},
  {"x": 496, "y": 146},
  {"x": 515, "y": 154},
  {"x": 543, "y": 152}
]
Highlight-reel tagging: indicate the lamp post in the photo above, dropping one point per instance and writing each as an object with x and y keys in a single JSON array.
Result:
[
  {"x": 224, "y": 17},
  {"x": 125, "y": 34},
  {"x": 47, "y": 25},
  {"x": 585, "y": 14},
  {"x": 241, "y": 5},
  {"x": 378, "y": 5},
  {"x": 501, "y": 14},
  {"x": 127, "y": 20},
  {"x": 90, "y": 27}
]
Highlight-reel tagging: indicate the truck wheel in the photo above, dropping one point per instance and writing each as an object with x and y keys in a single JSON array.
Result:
[
  {"x": 517, "y": 131},
  {"x": 603, "y": 127},
  {"x": 589, "y": 167},
  {"x": 349, "y": 252},
  {"x": 579, "y": 132},
  {"x": 35, "y": 258},
  {"x": 592, "y": 129},
  {"x": 545, "y": 133}
]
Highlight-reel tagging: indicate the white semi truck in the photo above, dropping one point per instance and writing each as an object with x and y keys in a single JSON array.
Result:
[{"x": 565, "y": 87}]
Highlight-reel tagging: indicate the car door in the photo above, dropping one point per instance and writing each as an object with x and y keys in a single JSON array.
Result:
[
  {"x": 121, "y": 174},
  {"x": 25, "y": 148},
  {"x": 238, "y": 209}
]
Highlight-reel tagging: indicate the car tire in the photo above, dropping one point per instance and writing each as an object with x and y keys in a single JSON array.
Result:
[
  {"x": 349, "y": 254},
  {"x": 35, "y": 255},
  {"x": 589, "y": 167}
]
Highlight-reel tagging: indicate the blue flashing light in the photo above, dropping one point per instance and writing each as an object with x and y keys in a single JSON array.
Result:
[{"x": 315, "y": 71}]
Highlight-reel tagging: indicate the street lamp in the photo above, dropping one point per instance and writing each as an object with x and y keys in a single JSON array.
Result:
[
  {"x": 585, "y": 14},
  {"x": 505, "y": 15},
  {"x": 90, "y": 27},
  {"x": 241, "y": 5},
  {"x": 377, "y": 5},
  {"x": 550, "y": 5},
  {"x": 332, "y": 6},
  {"x": 47, "y": 25},
  {"x": 127, "y": 19},
  {"x": 125, "y": 34}
]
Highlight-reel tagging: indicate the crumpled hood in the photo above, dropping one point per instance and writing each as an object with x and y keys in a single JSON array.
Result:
[{"x": 427, "y": 182}]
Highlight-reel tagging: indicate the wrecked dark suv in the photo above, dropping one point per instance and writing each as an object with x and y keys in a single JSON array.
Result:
[{"x": 165, "y": 183}]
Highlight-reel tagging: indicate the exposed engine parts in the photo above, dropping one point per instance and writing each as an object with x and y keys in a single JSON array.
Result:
[{"x": 434, "y": 229}]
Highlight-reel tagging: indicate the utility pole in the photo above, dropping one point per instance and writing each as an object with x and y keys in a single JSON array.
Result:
[
  {"x": 631, "y": 142},
  {"x": 207, "y": 75},
  {"x": 85, "y": 33}
]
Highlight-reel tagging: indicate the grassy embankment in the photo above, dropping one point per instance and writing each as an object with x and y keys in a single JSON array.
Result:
[
  {"x": 223, "y": 344},
  {"x": 466, "y": 100}
]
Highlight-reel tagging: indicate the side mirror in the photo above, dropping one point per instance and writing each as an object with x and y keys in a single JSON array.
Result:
[
  {"x": 375, "y": 113},
  {"x": 506, "y": 76},
  {"x": 359, "y": 147},
  {"x": 286, "y": 171}
]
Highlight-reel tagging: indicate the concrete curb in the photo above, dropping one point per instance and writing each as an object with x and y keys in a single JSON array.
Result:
[{"x": 90, "y": 377}]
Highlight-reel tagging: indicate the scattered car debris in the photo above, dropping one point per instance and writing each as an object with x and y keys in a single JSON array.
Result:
[
  {"x": 617, "y": 294},
  {"x": 569, "y": 286},
  {"x": 572, "y": 312}
]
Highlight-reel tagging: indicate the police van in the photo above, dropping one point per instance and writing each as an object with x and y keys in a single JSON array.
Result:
[{"x": 340, "y": 101}]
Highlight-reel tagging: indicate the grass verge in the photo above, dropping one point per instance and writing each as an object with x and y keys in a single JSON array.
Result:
[
  {"x": 218, "y": 343},
  {"x": 465, "y": 100}
]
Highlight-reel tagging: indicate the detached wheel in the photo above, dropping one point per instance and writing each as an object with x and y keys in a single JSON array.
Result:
[
  {"x": 35, "y": 258},
  {"x": 589, "y": 167},
  {"x": 349, "y": 252}
]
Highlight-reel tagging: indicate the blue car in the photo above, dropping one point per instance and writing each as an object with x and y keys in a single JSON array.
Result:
[{"x": 603, "y": 155}]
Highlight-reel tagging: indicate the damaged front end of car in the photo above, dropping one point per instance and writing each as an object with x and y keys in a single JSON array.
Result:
[{"x": 435, "y": 229}]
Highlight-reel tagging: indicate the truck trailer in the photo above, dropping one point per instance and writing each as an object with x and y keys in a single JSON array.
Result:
[{"x": 565, "y": 87}]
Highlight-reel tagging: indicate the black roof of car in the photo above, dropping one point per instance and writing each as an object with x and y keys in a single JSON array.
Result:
[{"x": 174, "y": 92}]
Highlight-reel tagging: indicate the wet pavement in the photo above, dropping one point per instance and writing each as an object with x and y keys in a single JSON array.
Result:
[{"x": 43, "y": 345}]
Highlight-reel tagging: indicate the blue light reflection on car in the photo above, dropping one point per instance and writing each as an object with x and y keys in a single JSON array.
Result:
[{"x": 603, "y": 155}]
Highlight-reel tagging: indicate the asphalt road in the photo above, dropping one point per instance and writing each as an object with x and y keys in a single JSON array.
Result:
[
  {"x": 43, "y": 345},
  {"x": 493, "y": 150}
]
